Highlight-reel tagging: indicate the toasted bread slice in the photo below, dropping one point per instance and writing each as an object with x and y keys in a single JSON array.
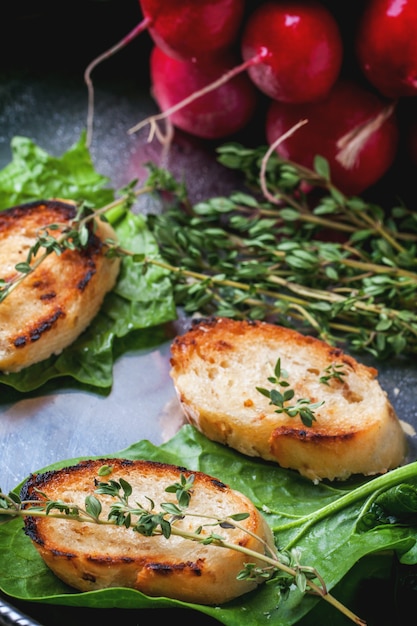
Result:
[
  {"x": 52, "y": 306},
  {"x": 218, "y": 365},
  {"x": 89, "y": 556}
]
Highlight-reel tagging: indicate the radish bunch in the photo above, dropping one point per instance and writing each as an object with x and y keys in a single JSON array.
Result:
[
  {"x": 185, "y": 30},
  {"x": 217, "y": 65}
]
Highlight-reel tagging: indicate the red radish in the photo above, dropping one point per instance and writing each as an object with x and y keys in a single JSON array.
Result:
[
  {"x": 302, "y": 48},
  {"x": 386, "y": 46},
  {"x": 354, "y": 129},
  {"x": 217, "y": 114},
  {"x": 185, "y": 29},
  {"x": 280, "y": 29},
  {"x": 193, "y": 29}
]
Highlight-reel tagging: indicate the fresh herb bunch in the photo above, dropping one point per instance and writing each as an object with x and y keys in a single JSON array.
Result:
[
  {"x": 289, "y": 248},
  {"x": 281, "y": 567},
  {"x": 338, "y": 267}
]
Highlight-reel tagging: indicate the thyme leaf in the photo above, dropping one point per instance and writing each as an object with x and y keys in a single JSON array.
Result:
[
  {"x": 333, "y": 371},
  {"x": 338, "y": 267}
]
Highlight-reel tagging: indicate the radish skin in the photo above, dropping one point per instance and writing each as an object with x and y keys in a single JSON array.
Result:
[
  {"x": 304, "y": 50},
  {"x": 185, "y": 29},
  {"x": 386, "y": 46},
  {"x": 218, "y": 114},
  {"x": 271, "y": 34},
  {"x": 350, "y": 118},
  {"x": 193, "y": 30}
]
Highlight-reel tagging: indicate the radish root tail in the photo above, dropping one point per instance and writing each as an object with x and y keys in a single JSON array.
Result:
[
  {"x": 139, "y": 28},
  {"x": 352, "y": 142},
  {"x": 226, "y": 77}
]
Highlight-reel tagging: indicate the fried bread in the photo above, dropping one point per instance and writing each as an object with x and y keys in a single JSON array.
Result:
[
  {"x": 218, "y": 365},
  {"x": 89, "y": 556},
  {"x": 56, "y": 302}
]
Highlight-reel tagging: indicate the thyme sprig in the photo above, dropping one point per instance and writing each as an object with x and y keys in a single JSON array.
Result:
[
  {"x": 334, "y": 371},
  {"x": 72, "y": 235},
  {"x": 281, "y": 567},
  {"x": 303, "y": 407}
]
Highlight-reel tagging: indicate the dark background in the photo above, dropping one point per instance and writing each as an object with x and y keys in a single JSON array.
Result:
[{"x": 63, "y": 37}]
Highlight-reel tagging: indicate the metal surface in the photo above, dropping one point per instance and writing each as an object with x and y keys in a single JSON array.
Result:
[
  {"x": 39, "y": 428},
  {"x": 61, "y": 421},
  {"x": 10, "y": 616}
]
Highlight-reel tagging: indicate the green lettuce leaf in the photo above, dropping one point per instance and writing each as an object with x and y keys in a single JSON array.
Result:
[
  {"x": 139, "y": 301},
  {"x": 33, "y": 174},
  {"x": 321, "y": 520}
]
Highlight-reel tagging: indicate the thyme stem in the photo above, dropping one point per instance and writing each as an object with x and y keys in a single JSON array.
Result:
[{"x": 297, "y": 303}]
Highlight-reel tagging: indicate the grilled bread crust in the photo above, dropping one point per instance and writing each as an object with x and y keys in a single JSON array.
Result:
[
  {"x": 217, "y": 366},
  {"x": 89, "y": 556},
  {"x": 57, "y": 301}
]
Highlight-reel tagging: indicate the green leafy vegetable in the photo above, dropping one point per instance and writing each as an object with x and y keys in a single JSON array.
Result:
[
  {"x": 33, "y": 174},
  {"x": 322, "y": 521},
  {"x": 246, "y": 255},
  {"x": 283, "y": 569}
]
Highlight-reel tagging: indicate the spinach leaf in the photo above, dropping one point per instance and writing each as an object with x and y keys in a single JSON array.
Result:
[
  {"x": 33, "y": 174},
  {"x": 321, "y": 520}
]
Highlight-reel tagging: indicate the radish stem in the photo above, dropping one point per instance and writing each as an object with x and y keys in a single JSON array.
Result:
[
  {"x": 137, "y": 30},
  {"x": 226, "y": 77}
]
